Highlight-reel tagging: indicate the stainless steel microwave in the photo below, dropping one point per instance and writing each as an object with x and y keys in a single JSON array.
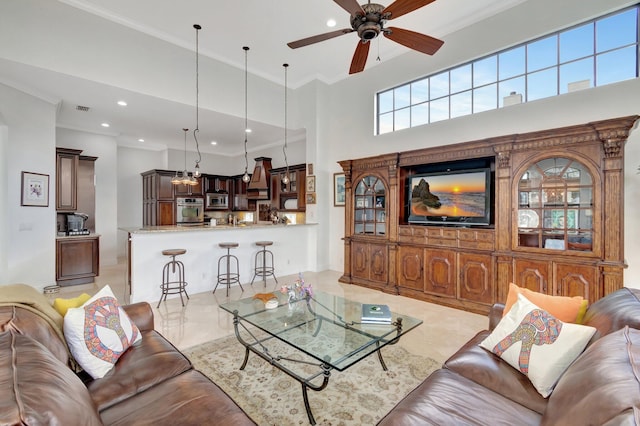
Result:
[{"x": 217, "y": 201}]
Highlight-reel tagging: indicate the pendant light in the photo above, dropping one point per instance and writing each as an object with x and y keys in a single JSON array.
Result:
[
  {"x": 196, "y": 172},
  {"x": 184, "y": 178},
  {"x": 245, "y": 178},
  {"x": 285, "y": 178}
]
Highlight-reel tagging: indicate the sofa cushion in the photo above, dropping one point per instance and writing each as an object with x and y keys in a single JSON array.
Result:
[
  {"x": 38, "y": 389},
  {"x": 99, "y": 332},
  {"x": 613, "y": 312},
  {"x": 602, "y": 386},
  {"x": 145, "y": 364},
  {"x": 30, "y": 324},
  {"x": 566, "y": 309},
  {"x": 536, "y": 343},
  {"x": 446, "y": 398},
  {"x": 490, "y": 371},
  {"x": 187, "y": 399}
]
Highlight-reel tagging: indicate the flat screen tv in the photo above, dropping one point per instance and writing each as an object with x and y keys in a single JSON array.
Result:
[{"x": 457, "y": 197}]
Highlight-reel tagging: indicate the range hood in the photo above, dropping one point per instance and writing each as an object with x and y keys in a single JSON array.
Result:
[{"x": 258, "y": 188}]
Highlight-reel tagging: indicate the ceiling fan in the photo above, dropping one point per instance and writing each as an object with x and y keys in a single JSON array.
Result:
[{"x": 368, "y": 21}]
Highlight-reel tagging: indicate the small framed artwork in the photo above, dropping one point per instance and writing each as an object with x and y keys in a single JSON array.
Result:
[
  {"x": 35, "y": 190},
  {"x": 311, "y": 197},
  {"x": 311, "y": 184},
  {"x": 338, "y": 189}
]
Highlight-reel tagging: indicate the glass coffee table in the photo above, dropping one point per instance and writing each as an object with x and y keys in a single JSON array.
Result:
[{"x": 324, "y": 327}]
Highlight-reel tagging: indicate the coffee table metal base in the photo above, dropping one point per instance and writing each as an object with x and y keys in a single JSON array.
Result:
[{"x": 306, "y": 382}]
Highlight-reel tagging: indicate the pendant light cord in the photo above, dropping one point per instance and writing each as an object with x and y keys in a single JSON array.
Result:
[
  {"x": 246, "y": 123},
  {"x": 197, "y": 129},
  {"x": 284, "y": 148}
]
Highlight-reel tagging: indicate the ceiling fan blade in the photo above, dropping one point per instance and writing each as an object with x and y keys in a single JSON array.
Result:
[
  {"x": 402, "y": 7},
  {"x": 413, "y": 40},
  {"x": 359, "y": 57},
  {"x": 317, "y": 38},
  {"x": 351, "y": 6}
]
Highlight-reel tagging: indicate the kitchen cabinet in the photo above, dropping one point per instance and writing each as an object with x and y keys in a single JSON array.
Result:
[
  {"x": 289, "y": 196},
  {"x": 556, "y": 219},
  {"x": 77, "y": 260},
  {"x": 189, "y": 190},
  {"x": 241, "y": 201},
  {"x": 158, "y": 203},
  {"x": 213, "y": 183},
  {"x": 67, "y": 179}
]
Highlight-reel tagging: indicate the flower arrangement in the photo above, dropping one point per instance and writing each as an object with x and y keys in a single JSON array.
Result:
[{"x": 298, "y": 290}]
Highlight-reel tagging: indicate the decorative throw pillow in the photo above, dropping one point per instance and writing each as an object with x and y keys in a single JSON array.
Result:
[
  {"x": 537, "y": 344},
  {"x": 566, "y": 309},
  {"x": 63, "y": 305},
  {"x": 99, "y": 332}
]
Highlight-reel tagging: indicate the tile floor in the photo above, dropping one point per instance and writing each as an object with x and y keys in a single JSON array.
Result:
[{"x": 443, "y": 330}]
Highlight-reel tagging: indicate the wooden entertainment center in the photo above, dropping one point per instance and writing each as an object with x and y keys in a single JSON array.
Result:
[{"x": 556, "y": 207}]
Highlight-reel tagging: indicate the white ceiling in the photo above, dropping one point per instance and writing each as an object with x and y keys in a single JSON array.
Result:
[{"x": 227, "y": 25}]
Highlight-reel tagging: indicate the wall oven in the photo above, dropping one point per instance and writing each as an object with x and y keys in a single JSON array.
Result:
[
  {"x": 189, "y": 211},
  {"x": 217, "y": 201}
]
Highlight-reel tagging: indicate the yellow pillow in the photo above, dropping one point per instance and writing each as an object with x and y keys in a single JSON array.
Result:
[
  {"x": 63, "y": 305},
  {"x": 566, "y": 309}
]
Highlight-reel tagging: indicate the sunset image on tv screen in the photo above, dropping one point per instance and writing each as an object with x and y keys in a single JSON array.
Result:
[{"x": 454, "y": 195}]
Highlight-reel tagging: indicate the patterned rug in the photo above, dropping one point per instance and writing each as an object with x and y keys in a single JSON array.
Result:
[{"x": 360, "y": 395}]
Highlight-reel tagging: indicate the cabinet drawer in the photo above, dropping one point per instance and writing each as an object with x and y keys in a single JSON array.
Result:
[{"x": 442, "y": 242}]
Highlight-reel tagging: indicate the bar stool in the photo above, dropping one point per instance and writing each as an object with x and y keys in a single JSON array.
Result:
[
  {"x": 229, "y": 277},
  {"x": 174, "y": 269},
  {"x": 264, "y": 269}
]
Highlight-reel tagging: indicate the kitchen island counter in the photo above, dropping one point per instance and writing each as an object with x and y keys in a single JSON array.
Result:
[{"x": 294, "y": 250}]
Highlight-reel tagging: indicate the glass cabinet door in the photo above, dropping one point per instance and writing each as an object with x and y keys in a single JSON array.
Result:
[
  {"x": 555, "y": 206},
  {"x": 370, "y": 214}
]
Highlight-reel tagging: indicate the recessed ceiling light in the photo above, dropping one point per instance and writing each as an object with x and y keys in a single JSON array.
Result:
[
  {"x": 122, "y": 103},
  {"x": 214, "y": 143},
  {"x": 331, "y": 23},
  {"x": 105, "y": 124},
  {"x": 247, "y": 130},
  {"x": 140, "y": 140}
]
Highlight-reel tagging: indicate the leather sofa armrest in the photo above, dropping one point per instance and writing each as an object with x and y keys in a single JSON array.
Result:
[
  {"x": 141, "y": 314},
  {"x": 495, "y": 315}
]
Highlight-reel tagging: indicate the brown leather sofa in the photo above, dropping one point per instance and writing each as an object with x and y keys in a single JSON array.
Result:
[
  {"x": 152, "y": 382},
  {"x": 475, "y": 387}
]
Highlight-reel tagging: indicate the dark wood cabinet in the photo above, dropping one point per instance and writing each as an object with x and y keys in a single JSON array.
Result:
[
  {"x": 158, "y": 202},
  {"x": 189, "y": 190},
  {"x": 77, "y": 260},
  {"x": 67, "y": 179},
  {"x": 557, "y": 225},
  {"x": 213, "y": 183},
  {"x": 238, "y": 197},
  {"x": 289, "y": 196}
]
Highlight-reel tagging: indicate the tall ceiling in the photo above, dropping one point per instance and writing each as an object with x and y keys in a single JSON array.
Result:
[{"x": 227, "y": 25}]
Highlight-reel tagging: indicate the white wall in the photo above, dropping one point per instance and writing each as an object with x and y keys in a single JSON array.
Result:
[
  {"x": 106, "y": 167},
  {"x": 354, "y": 98},
  {"x": 28, "y": 141}
]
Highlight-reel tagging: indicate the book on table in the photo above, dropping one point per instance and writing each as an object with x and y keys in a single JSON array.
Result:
[{"x": 375, "y": 314}]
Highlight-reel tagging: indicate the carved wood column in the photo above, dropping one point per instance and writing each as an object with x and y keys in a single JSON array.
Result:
[
  {"x": 503, "y": 213},
  {"x": 348, "y": 220}
]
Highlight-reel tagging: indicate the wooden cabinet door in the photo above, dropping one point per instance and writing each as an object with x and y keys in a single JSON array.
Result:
[
  {"x": 164, "y": 188},
  {"x": 440, "y": 272},
  {"x": 476, "y": 278},
  {"x": 576, "y": 280},
  {"x": 165, "y": 213},
  {"x": 378, "y": 262},
  {"x": 369, "y": 261},
  {"x": 302, "y": 190},
  {"x": 77, "y": 260},
  {"x": 182, "y": 190},
  {"x": 66, "y": 181},
  {"x": 532, "y": 274},
  {"x": 410, "y": 267}
]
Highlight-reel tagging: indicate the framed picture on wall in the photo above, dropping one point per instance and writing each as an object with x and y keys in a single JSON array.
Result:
[
  {"x": 338, "y": 189},
  {"x": 311, "y": 197},
  {"x": 311, "y": 184},
  {"x": 35, "y": 190}
]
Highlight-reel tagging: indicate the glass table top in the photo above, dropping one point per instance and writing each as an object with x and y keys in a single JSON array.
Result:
[{"x": 325, "y": 327}]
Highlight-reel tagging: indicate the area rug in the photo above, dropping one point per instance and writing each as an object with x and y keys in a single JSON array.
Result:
[{"x": 360, "y": 395}]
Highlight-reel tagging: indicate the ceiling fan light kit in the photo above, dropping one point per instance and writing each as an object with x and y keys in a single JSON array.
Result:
[{"x": 368, "y": 21}]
